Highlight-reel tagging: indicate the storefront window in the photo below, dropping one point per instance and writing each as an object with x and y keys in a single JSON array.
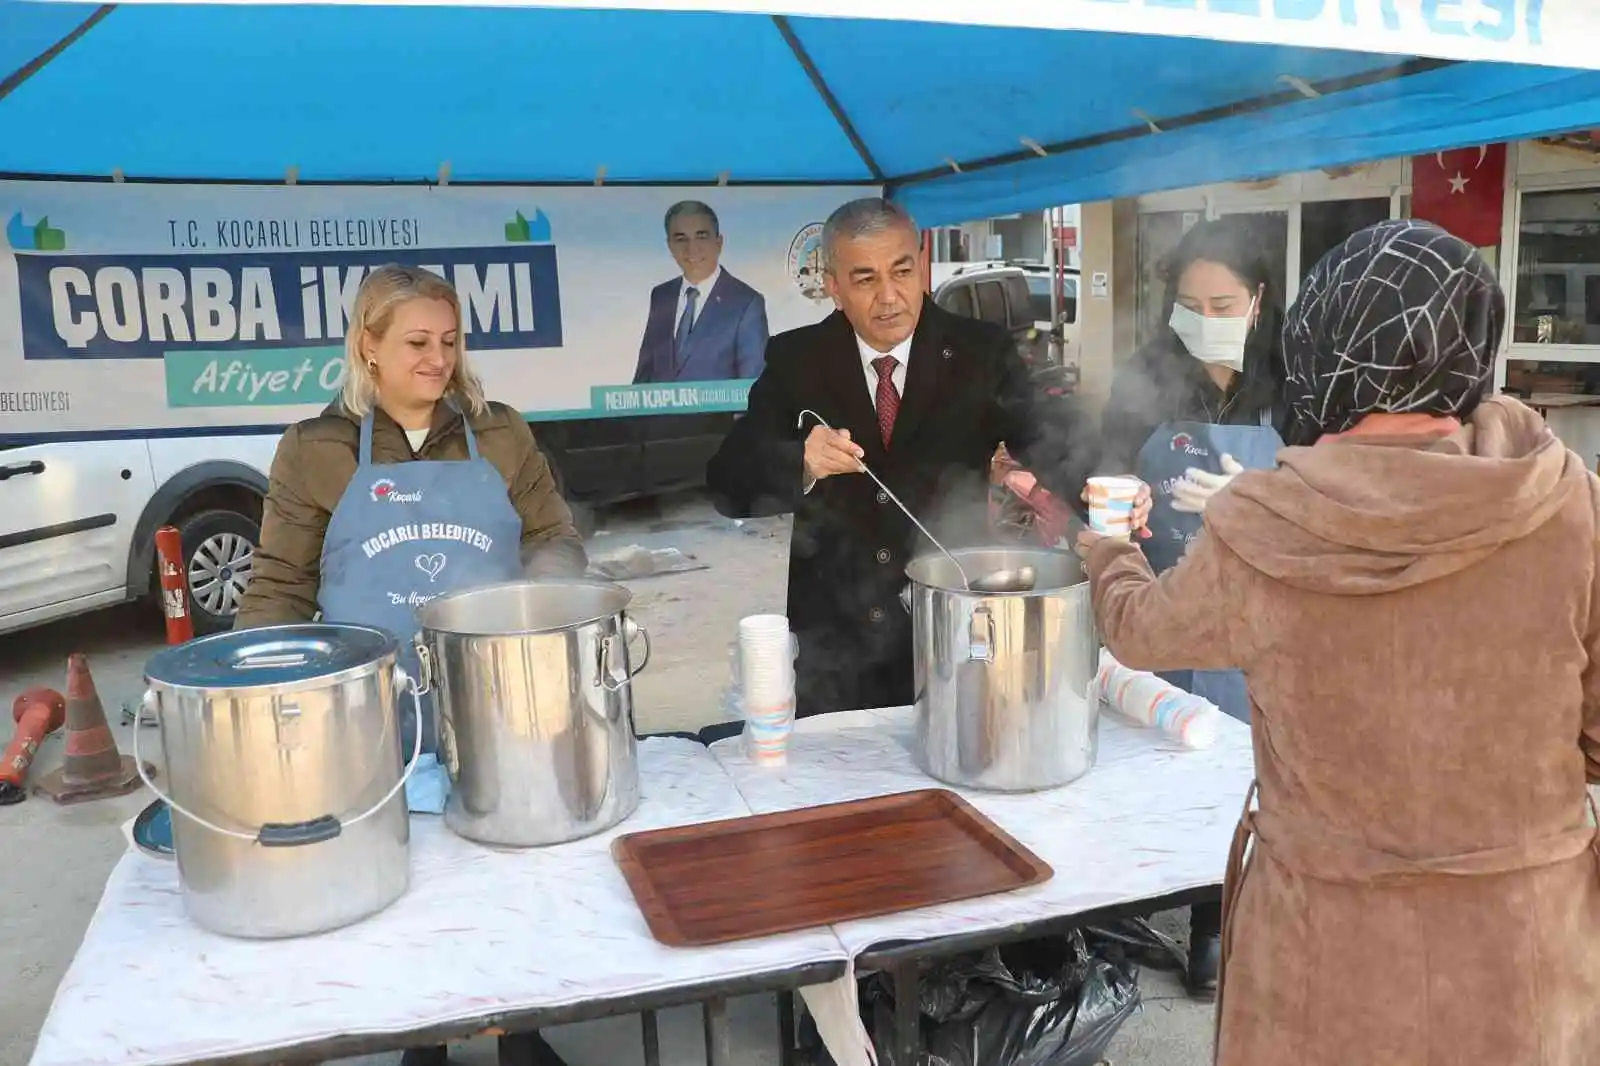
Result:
[
  {"x": 1269, "y": 232},
  {"x": 1558, "y": 268},
  {"x": 1553, "y": 384},
  {"x": 1326, "y": 224},
  {"x": 1567, "y": 394},
  {"x": 1159, "y": 234}
]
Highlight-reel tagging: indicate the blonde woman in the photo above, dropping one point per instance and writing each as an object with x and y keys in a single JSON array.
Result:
[{"x": 411, "y": 442}]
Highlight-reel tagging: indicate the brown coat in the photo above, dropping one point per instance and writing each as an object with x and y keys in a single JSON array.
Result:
[
  {"x": 315, "y": 462},
  {"x": 1419, "y": 625}
]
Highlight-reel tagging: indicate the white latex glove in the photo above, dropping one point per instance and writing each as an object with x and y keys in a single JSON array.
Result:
[{"x": 1194, "y": 490}]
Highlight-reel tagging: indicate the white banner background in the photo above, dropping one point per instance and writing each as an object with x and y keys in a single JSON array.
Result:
[{"x": 610, "y": 251}]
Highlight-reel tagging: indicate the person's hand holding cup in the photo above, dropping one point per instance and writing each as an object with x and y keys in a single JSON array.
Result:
[
  {"x": 1119, "y": 506},
  {"x": 830, "y": 452}
]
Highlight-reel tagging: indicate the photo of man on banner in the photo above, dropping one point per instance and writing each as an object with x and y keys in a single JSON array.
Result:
[{"x": 705, "y": 324}]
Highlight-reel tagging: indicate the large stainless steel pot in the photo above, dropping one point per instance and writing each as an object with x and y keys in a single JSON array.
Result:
[
  {"x": 1003, "y": 679},
  {"x": 284, "y": 775},
  {"x": 534, "y": 689}
]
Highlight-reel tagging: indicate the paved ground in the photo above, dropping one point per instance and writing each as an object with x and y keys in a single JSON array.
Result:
[{"x": 60, "y": 857}]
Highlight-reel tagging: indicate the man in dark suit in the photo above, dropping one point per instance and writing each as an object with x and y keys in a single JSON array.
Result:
[
  {"x": 924, "y": 398},
  {"x": 706, "y": 324}
]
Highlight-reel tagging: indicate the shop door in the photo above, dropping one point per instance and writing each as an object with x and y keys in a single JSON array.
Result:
[
  {"x": 1279, "y": 242},
  {"x": 1159, "y": 234},
  {"x": 1326, "y": 224}
]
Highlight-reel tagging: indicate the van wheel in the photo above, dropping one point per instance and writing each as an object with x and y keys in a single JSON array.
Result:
[{"x": 219, "y": 552}]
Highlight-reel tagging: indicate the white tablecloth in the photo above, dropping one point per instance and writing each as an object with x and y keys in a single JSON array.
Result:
[
  {"x": 481, "y": 931},
  {"x": 489, "y": 931},
  {"x": 1148, "y": 820}
]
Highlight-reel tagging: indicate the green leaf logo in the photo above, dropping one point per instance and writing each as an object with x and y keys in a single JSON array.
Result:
[
  {"x": 47, "y": 238},
  {"x": 517, "y": 230}
]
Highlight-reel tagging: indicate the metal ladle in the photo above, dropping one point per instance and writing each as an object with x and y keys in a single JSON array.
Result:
[{"x": 1020, "y": 579}]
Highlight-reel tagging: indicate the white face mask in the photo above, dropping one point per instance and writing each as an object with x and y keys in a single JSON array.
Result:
[{"x": 1213, "y": 340}]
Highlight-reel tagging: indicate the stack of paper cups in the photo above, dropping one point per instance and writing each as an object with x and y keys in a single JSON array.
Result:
[
  {"x": 1156, "y": 704},
  {"x": 1111, "y": 501},
  {"x": 766, "y": 682}
]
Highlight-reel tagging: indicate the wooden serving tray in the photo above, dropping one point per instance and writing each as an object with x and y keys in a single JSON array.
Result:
[{"x": 774, "y": 873}]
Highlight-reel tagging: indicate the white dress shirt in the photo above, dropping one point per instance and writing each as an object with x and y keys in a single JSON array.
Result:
[
  {"x": 703, "y": 288},
  {"x": 901, "y": 354}
]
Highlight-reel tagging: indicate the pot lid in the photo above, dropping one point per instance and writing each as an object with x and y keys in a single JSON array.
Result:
[{"x": 275, "y": 655}]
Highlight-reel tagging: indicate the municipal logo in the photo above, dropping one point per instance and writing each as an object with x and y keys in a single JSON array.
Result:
[
  {"x": 384, "y": 491},
  {"x": 39, "y": 236},
  {"x": 805, "y": 262}
]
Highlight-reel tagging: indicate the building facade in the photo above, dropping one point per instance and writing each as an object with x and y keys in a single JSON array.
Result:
[{"x": 1533, "y": 207}]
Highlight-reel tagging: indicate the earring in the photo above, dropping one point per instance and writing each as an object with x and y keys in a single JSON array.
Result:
[{"x": 372, "y": 367}]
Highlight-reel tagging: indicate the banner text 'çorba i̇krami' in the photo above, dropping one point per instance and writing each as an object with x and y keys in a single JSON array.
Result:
[{"x": 151, "y": 308}]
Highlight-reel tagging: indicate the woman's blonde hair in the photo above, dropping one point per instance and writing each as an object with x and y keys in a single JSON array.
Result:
[{"x": 385, "y": 289}]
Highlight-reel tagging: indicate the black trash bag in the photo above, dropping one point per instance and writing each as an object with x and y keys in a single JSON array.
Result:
[
  {"x": 1049, "y": 1002},
  {"x": 1142, "y": 943}
]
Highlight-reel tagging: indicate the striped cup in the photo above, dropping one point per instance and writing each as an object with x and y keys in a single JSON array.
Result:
[{"x": 1111, "y": 502}]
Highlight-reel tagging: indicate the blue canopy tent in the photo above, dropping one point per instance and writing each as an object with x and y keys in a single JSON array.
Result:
[{"x": 957, "y": 120}]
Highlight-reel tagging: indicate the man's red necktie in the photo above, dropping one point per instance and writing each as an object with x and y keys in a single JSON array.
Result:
[{"x": 888, "y": 398}]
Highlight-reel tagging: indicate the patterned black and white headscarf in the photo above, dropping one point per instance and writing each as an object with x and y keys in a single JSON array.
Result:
[{"x": 1403, "y": 317}]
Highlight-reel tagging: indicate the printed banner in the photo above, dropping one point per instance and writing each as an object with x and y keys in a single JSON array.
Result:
[
  {"x": 143, "y": 307},
  {"x": 1557, "y": 33}
]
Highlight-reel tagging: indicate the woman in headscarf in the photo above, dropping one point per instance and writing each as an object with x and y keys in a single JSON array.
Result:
[{"x": 1414, "y": 598}]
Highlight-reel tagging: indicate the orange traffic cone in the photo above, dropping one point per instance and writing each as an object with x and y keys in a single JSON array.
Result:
[{"x": 93, "y": 768}]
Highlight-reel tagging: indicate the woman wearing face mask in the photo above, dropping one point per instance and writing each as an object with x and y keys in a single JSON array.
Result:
[
  {"x": 1188, "y": 411},
  {"x": 1201, "y": 402}
]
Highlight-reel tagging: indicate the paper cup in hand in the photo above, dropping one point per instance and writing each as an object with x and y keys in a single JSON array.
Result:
[{"x": 1111, "y": 502}]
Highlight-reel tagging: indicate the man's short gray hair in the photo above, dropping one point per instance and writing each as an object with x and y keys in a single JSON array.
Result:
[
  {"x": 862, "y": 218},
  {"x": 693, "y": 208}
]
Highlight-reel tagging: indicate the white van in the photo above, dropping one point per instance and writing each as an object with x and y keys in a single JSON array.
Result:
[{"x": 78, "y": 522}]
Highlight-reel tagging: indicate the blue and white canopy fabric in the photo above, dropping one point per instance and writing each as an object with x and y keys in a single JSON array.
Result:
[{"x": 973, "y": 108}]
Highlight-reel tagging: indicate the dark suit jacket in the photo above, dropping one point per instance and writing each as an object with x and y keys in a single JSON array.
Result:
[
  {"x": 966, "y": 391},
  {"x": 727, "y": 342}
]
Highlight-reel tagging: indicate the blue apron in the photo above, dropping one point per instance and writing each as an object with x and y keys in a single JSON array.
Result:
[
  {"x": 1173, "y": 448},
  {"x": 404, "y": 533}
]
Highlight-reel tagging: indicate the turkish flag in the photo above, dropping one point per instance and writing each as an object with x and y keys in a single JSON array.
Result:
[{"x": 1463, "y": 191}]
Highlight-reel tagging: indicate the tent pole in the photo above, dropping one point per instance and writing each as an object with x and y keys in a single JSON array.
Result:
[
  {"x": 29, "y": 69},
  {"x": 804, "y": 59}
]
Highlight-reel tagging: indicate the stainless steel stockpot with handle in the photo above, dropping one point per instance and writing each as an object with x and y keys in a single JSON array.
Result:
[
  {"x": 285, "y": 776},
  {"x": 533, "y": 681},
  {"x": 1004, "y": 681}
]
